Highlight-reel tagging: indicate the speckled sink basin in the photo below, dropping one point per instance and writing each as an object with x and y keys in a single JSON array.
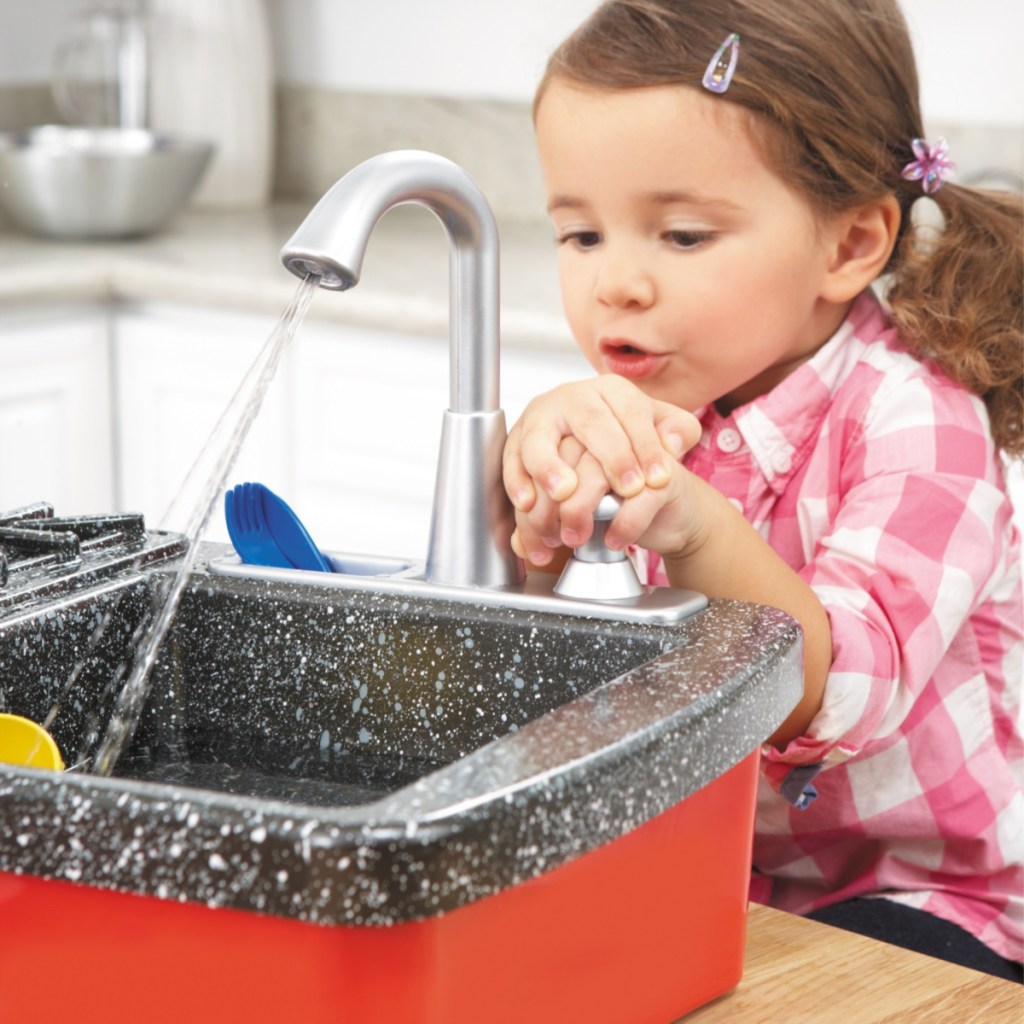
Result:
[{"x": 352, "y": 759}]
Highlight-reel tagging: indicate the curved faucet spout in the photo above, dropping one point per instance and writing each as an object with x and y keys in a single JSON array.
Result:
[
  {"x": 332, "y": 240},
  {"x": 472, "y": 522}
]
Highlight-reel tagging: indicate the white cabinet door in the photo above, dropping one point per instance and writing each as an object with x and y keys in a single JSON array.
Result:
[
  {"x": 55, "y": 419},
  {"x": 368, "y": 408},
  {"x": 177, "y": 369}
]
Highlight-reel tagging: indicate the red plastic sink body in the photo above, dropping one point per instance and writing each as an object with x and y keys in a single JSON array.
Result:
[{"x": 639, "y": 931}]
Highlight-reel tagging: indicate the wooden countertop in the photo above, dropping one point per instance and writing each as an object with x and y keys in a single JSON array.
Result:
[{"x": 799, "y": 971}]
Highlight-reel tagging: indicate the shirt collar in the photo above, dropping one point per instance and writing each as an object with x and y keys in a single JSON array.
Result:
[{"x": 780, "y": 427}]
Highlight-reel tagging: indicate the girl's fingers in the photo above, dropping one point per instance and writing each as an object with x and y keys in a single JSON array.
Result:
[
  {"x": 662, "y": 519},
  {"x": 531, "y": 458},
  {"x": 634, "y": 441},
  {"x": 539, "y": 530},
  {"x": 575, "y": 410},
  {"x": 576, "y": 514},
  {"x": 518, "y": 483},
  {"x": 633, "y": 519},
  {"x": 635, "y": 456},
  {"x": 677, "y": 429},
  {"x": 658, "y": 433}
]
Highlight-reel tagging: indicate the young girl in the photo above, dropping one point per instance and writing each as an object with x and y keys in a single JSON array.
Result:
[{"x": 727, "y": 181}]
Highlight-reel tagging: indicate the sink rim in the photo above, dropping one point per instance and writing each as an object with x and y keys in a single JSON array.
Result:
[{"x": 658, "y": 606}]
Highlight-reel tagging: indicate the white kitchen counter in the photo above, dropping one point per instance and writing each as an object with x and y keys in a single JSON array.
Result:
[{"x": 230, "y": 260}]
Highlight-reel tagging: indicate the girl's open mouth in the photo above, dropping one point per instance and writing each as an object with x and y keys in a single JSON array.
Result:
[{"x": 629, "y": 360}]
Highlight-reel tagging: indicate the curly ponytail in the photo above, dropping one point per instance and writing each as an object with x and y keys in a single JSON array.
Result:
[{"x": 957, "y": 298}]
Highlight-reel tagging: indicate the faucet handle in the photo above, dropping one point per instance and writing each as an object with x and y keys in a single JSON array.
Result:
[
  {"x": 595, "y": 550},
  {"x": 595, "y": 572}
]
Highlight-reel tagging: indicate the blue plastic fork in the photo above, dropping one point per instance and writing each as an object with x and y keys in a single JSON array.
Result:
[
  {"x": 248, "y": 531},
  {"x": 265, "y": 531}
]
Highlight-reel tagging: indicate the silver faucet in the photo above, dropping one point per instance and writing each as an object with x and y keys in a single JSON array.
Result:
[
  {"x": 469, "y": 555},
  {"x": 472, "y": 519}
]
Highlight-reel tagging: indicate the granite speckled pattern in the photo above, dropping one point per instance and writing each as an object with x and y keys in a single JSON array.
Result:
[{"x": 352, "y": 758}]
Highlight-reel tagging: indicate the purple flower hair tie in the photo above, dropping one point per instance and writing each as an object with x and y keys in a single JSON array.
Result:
[{"x": 932, "y": 166}]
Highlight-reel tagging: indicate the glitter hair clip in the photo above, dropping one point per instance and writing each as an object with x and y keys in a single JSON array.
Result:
[
  {"x": 932, "y": 166},
  {"x": 718, "y": 75}
]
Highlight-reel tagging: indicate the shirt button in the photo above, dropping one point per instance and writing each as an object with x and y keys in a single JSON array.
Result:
[
  {"x": 729, "y": 440},
  {"x": 782, "y": 462}
]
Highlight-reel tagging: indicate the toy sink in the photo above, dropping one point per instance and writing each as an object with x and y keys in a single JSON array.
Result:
[
  {"x": 444, "y": 796},
  {"x": 354, "y": 806}
]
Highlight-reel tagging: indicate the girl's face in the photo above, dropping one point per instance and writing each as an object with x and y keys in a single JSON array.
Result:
[{"x": 686, "y": 264}]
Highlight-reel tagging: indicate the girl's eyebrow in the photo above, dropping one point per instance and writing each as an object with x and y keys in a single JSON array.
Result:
[
  {"x": 685, "y": 198},
  {"x": 565, "y": 203},
  {"x": 670, "y": 197}
]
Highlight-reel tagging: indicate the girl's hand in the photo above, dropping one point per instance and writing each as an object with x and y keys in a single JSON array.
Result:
[
  {"x": 635, "y": 440},
  {"x": 671, "y": 519}
]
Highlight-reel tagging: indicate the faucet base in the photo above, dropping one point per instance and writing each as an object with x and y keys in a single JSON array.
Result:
[
  {"x": 599, "y": 581},
  {"x": 471, "y": 527},
  {"x": 664, "y": 606}
]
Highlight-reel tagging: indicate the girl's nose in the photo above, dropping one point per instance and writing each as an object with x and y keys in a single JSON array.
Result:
[{"x": 622, "y": 280}]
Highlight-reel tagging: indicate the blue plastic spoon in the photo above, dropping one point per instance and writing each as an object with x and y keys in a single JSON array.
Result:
[{"x": 287, "y": 530}]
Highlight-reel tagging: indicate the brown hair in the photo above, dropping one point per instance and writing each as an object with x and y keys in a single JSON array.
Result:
[{"x": 833, "y": 92}]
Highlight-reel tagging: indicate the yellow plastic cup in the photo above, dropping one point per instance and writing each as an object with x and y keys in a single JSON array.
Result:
[{"x": 24, "y": 743}]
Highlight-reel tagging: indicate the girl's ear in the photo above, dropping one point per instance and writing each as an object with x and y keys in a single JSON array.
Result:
[{"x": 862, "y": 240}]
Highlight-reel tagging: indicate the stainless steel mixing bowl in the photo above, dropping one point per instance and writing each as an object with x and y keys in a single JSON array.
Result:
[{"x": 73, "y": 182}]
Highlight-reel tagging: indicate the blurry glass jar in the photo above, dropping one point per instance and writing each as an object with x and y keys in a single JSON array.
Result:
[
  {"x": 99, "y": 69},
  {"x": 211, "y": 77}
]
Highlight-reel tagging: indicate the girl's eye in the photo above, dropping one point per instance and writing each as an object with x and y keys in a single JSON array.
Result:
[
  {"x": 580, "y": 239},
  {"x": 688, "y": 239}
]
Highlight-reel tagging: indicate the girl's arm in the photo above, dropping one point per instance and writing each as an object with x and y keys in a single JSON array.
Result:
[{"x": 726, "y": 557}]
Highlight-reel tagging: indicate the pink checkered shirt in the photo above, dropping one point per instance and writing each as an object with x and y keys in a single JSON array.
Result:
[{"x": 875, "y": 478}]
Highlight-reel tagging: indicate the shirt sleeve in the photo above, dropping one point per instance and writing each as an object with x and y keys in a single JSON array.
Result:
[{"x": 920, "y": 535}]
